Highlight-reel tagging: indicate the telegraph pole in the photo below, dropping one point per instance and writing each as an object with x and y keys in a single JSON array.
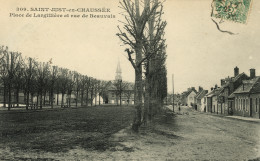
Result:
[{"x": 172, "y": 92}]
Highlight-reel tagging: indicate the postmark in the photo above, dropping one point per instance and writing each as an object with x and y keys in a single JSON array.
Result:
[{"x": 231, "y": 10}]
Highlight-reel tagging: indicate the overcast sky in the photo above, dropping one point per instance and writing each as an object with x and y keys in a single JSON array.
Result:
[{"x": 198, "y": 54}]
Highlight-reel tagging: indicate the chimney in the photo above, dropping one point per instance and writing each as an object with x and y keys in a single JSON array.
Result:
[
  {"x": 216, "y": 86},
  {"x": 222, "y": 82},
  {"x": 252, "y": 73},
  {"x": 200, "y": 89},
  {"x": 236, "y": 71}
]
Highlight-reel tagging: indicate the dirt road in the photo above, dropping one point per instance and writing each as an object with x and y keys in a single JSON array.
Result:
[{"x": 195, "y": 136}]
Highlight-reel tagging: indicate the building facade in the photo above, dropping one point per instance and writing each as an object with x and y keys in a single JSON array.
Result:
[
  {"x": 247, "y": 98},
  {"x": 127, "y": 91}
]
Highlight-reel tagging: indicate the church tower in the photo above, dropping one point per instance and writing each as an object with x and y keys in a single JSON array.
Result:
[{"x": 118, "y": 72}]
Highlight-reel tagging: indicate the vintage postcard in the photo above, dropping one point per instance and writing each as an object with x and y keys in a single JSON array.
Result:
[{"x": 130, "y": 80}]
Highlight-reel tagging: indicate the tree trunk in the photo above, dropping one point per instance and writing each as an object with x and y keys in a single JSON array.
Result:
[
  {"x": 57, "y": 98},
  {"x": 146, "y": 99},
  {"x": 87, "y": 97},
  {"x": 77, "y": 95},
  {"x": 139, "y": 88},
  {"x": 17, "y": 96},
  {"x": 44, "y": 98},
  {"x": 41, "y": 100},
  {"x": 24, "y": 98},
  {"x": 62, "y": 100},
  {"x": 138, "y": 101},
  {"x": 10, "y": 96},
  {"x": 49, "y": 102},
  {"x": 32, "y": 105},
  {"x": 120, "y": 99},
  {"x": 82, "y": 97},
  {"x": 69, "y": 99},
  {"x": 5, "y": 93},
  {"x": 51, "y": 98},
  {"x": 37, "y": 102},
  {"x": 95, "y": 98},
  {"x": 27, "y": 98},
  {"x": 99, "y": 99}
]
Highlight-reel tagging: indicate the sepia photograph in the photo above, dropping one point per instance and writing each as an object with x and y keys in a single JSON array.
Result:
[{"x": 144, "y": 80}]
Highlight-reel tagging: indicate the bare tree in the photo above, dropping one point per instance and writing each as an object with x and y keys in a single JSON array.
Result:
[
  {"x": 53, "y": 80},
  {"x": 63, "y": 83},
  {"x": 10, "y": 63},
  {"x": 70, "y": 86},
  {"x": 135, "y": 36},
  {"x": 39, "y": 79},
  {"x": 92, "y": 86},
  {"x": 77, "y": 86},
  {"x": 42, "y": 71},
  {"x": 4, "y": 72},
  {"x": 18, "y": 82},
  {"x": 83, "y": 83},
  {"x": 29, "y": 65}
]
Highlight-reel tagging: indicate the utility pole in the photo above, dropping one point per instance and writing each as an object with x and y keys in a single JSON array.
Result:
[{"x": 173, "y": 93}]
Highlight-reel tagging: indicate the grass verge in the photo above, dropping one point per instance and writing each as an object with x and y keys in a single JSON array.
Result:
[{"x": 62, "y": 130}]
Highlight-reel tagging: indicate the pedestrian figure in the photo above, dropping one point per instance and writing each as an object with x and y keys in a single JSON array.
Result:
[{"x": 179, "y": 108}]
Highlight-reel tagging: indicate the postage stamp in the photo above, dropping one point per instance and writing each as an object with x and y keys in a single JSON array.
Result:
[{"x": 231, "y": 10}]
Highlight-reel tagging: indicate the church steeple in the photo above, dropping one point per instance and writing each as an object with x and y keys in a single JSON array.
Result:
[{"x": 118, "y": 72}]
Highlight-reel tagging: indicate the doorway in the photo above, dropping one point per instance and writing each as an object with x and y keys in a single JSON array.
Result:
[{"x": 251, "y": 107}]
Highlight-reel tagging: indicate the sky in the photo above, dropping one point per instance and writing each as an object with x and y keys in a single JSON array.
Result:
[{"x": 197, "y": 53}]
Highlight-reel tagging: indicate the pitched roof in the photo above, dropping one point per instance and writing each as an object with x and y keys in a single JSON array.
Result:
[
  {"x": 187, "y": 93},
  {"x": 197, "y": 94},
  {"x": 215, "y": 92},
  {"x": 201, "y": 94},
  {"x": 231, "y": 96},
  {"x": 249, "y": 86},
  {"x": 238, "y": 76}
]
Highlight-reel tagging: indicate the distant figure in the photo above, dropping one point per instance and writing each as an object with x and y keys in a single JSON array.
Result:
[{"x": 179, "y": 108}]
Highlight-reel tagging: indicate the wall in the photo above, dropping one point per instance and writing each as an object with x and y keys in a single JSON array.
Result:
[
  {"x": 244, "y": 110},
  {"x": 255, "y": 105},
  {"x": 191, "y": 98},
  {"x": 214, "y": 104},
  {"x": 113, "y": 99},
  {"x": 209, "y": 104}
]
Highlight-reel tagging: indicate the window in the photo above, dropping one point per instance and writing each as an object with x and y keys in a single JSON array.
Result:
[
  {"x": 236, "y": 104},
  {"x": 240, "y": 104},
  {"x": 256, "y": 103},
  {"x": 244, "y": 102},
  {"x": 259, "y": 104}
]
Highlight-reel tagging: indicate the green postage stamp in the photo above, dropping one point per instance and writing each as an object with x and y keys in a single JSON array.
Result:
[{"x": 232, "y": 10}]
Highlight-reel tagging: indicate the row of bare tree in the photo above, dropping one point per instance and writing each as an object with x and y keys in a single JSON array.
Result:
[
  {"x": 143, "y": 32},
  {"x": 41, "y": 80}
]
